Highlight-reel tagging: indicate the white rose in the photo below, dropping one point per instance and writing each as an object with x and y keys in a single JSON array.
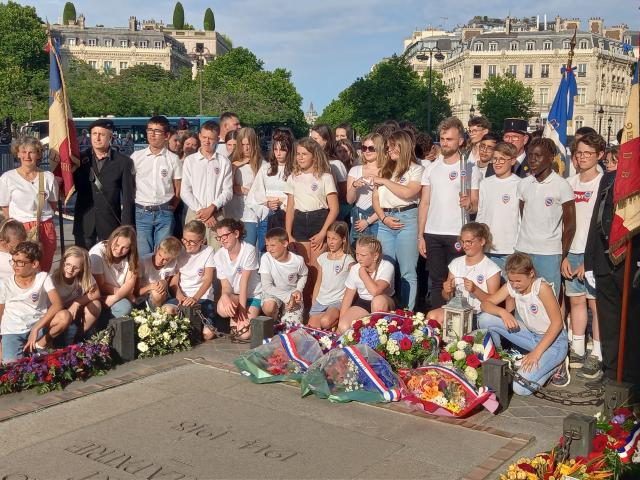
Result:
[
  {"x": 325, "y": 342},
  {"x": 461, "y": 345},
  {"x": 418, "y": 335},
  {"x": 166, "y": 336},
  {"x": 383, "y": 339},
  {"x": 140, "y": 319},
  {"x": 478, "y": 348},
  {"x": 349, "y": 335},
  {"x": 174, "y": 342},
  {"x": 157, "y": 322},
  {"x": 144, "y": 331},
  {"x": 143, "y": 347},
  {"x": 173, "y": 325},
  {"x": 459, "y": 355},
  {"x": 471, "y": 374},
  {"x": 420, "y": 316}
]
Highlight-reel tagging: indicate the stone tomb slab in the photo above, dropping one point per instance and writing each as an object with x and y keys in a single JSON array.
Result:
[{"x": 241, "y": 431}]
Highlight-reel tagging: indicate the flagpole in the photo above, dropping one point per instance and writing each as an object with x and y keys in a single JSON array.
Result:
[{"x": 625, "y": 310}]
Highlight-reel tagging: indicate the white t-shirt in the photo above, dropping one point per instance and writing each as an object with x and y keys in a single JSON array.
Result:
[
  {"x": 338, "y": 170},
  {"x": 115, "y": 274},
  {"x": 531, "y": 308},
  {"x": 334, "y": 275},
  {"x": 443, "y": 216},
  {"x": 541, "y": 225},
  {"x": 310, "y": 193},
  {"x": 191, "y": 267},
  {"x": 478, "y": 274},
  {"x": 6, "y": 270},
  {"x": 247, "y": 259},
  {"x": 237, "y": 207},
  {"x": 584, "y": 194},
  {"x": 155, "y": 175},
  {"x": 267, "y": 187},
  {"x": 385, "y": 271},
  {"x": 24, "y": 307},
  {"x": 499, "y": 208},
  {"x": 478, "y": 175},
  {"x": 21, "y": 196},
  {"x": 285, "y": 275},
  {"x": 364, "y": 193},
  {"x": 388, "y": 199},
  {"x": 148, "y": 273},
  {"x": 71, "y": 291}
]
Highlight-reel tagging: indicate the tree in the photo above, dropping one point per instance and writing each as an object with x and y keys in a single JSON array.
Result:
[
  {"x": 178, "y": 17},
  {"x": 393, "y": 90},
  {"x": 503, "y": 96},
  {"x": 69, "y": 13},
  {"x": 209, "y": 20}
]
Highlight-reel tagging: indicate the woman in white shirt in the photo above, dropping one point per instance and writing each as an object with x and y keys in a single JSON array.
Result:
[
  {"x": 395, "y": 201},
  {"x": 266, "y": 196},
  {"x": 245, "y": 161},
  {"x": 19, "y": 195},
  {"x": 364, "y": 220},
  {"x": 325, "y": 137}
]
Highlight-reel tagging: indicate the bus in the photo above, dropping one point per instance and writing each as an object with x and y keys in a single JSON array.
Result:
[{"x": 129, "y": 133}]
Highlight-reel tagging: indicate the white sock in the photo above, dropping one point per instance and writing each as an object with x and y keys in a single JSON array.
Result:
[
  {"x": 596, "y": 351},
  {"x": 577, "y": 344}
]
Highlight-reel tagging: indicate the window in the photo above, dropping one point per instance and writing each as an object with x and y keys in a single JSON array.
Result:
[
  {"x": 584, "y": 44},
  {"x": 108, "y": 42},
  {"x": 579, "y": 122},
  {"x": 582, "y": 69},
  {"x": 514, "y": 46},
  {"x": 124, "y": 65},
  {"x": 566, "y": 44},
  {"x": 493, "y": 46},
  {"x": 513, "y": 70},
  {"x": 531, "y": 45},
  {"x": 544, "y": 96},
  {"x": 142, "y": 63},
  {"x": 124, "y": 43},
  {"x": 157, "y": 45},
  {"x": 71, "y": 42},
  {"x": 93, "y": 64},
  {"x": 158, "y": 64},
  {"x": 544, "y": 70},
  {"x": 492, "y": 70},
  {"x": 547, "y": 45},
  {"x": 477, "y": 71},
  {"x": 582, "y": 96},
  {"x": 142, "y": 44},
  {"x": 91, "y": 42},
  {"x": 474, "y": 95},
  {"x": 477, "y": 47},
  {"x": 528, "y": 71},
  {"x": 107, "y": 65}
]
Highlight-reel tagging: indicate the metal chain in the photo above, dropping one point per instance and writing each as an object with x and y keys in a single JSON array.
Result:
[
  {"x": 563, "y": 450},
  {"x": 590, "y": 396},
  {"x": 233, "y": 336}
]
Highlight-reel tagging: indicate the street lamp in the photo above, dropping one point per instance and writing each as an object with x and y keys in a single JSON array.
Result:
[
  {"x": 609, "y": 122},
  {"x": 199, "y": 54},
  {"x": 424, "y": 54},
  {"x": 601, "y": 114}
]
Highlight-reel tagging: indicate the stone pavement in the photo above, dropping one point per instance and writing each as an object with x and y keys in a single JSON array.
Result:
[{"x": 191, "y": 415}]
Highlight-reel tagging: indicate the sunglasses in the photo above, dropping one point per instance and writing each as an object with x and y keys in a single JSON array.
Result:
[{"x": 368, "y": 148}]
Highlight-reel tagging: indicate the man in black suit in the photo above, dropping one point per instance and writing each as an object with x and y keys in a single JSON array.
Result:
[
  {"x": 105, "y": 187},
  {"x": 515, "y": 133}
]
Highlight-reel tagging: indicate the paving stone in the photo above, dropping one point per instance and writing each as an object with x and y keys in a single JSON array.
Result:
[{"x": 523, "y": 412}]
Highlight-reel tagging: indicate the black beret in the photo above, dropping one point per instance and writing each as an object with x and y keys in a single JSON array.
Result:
[
  {"x": 517, "y": 125},
  {"x": 102, "y": 122}
]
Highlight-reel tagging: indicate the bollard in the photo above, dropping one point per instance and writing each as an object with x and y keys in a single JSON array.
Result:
[
  {"x": 124, "y": 338},
  {"x": 261, "y": 329},
  {"x": 496, "y": 377},
  {"x": 615, "y": 395},
  {"x": 581, "y": 429},
  {"x": 193, "y": 313}
]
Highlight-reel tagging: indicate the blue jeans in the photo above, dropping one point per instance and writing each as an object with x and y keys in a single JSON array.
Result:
[
  {"x": 548, "y": 267},
  {"x": 263, "y": 226},
  {"x": 500, "y": 260},
  {"x": 152, "y": 228},
  {"x": 121, "y": 308},
  {"x": 362, "y": 214},
  {"x": 250, "y": 232},
  {"x": 13, "y": 344},
  {"x": 401, "y": 246},
  {"x": 527, "y": 340}
]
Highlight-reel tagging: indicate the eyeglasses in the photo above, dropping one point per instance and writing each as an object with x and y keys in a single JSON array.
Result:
[
  {"x": 155, "y": 131},
  {"x": 368, "y": 148},
  {"x": 191, "y": 243},
  {"x": 499, "y": 160},
  {"x": 222, "y": 237},
  {"x": 584, "y": 154},
  {"x": 487, "y": 148},
  {"x": 19, "y": 263},
  {"x": 468, "y": 243},
  {"x": 71, "y": 267},
  {"x": 476, "y": 130}
]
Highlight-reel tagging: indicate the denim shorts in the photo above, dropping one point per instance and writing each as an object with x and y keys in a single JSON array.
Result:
[
  {"x": 13, "y": 344},
  {"x": 308, "y": 224},
  {"x": 574, "y": 287},
  {"x": 318, "y": 307}
]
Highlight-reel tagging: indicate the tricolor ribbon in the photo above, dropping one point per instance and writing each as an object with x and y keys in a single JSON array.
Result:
[
  {"x": 488, "y": 348},
  {"x": 389, "y": 394},
  {"x": 290, "y": 347},
  {"x": 626, "y": 451}
]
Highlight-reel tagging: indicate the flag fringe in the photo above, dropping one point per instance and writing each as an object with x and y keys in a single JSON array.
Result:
[{"x": 631, "y": 201}]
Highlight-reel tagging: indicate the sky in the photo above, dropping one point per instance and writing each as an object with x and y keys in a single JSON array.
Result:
[{"x": 328, "y": 44}]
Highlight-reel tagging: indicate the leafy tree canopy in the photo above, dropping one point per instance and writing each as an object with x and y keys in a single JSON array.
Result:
[
  {"x": 209, "y": 20},
  {"x": 69, "y": 13},
  {"x": 503, "y": 96}
]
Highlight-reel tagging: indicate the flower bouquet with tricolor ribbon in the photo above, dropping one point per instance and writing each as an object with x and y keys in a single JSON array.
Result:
[
  {"x": 286, "y": 357},
  {"x": 354, "y": 372}
]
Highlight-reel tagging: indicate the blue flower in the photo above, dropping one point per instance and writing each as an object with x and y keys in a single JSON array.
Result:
[
  {"x": 397, "y": 336},
  {"x": 369, "y": 336}
]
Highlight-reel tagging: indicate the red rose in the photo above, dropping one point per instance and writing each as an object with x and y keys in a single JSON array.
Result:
[
  {"x": 372, "y": 322},
  {"x": 473, "y": 361},
  {"x": 356, "y": 336},
  {"x": 405, "y": 344},
  {"x": 617, "y": 432},
  {"x": 622, "y": 411},
  {"x": 469, "y": 339},
  {"x": 426, "y": 344},
  {"x": 399, "y": 311},
  {"x": 357, "y": 325},
  {"x": 407, "y": 327},
  {"x": 600, "y": 442},
  {"x": 433, "y": 323},
  {"x": 445, "y": 357},
  {"x": 392, "y": 328}
]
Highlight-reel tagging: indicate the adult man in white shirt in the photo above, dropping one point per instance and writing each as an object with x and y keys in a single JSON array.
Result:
[
  {"x": 158, "y": 175},
  {"x": 207, "y": 183},
  {"x": 228, "y": 121}
]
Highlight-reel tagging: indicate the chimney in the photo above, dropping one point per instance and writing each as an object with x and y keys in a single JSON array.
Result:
[
  {"x": 81, "y": 21},
  {"x": 558, "y": 23},
  {"x": 537, "y": 23},
  {"x": 133, "y": 23},
  {"x": 545, "y": 22}
]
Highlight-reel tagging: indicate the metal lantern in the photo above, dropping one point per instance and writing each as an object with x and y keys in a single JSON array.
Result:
[{"x": 458, "y": 318}]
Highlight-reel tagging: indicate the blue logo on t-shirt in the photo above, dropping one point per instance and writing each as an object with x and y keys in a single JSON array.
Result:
[
  {"x": 534, "y": 308},
  {"x": 453, "y": 175},
  {"x": 35, "y": 296},
  {"x": 505, "y": 198},
  {"x": 201, "y": 272}
]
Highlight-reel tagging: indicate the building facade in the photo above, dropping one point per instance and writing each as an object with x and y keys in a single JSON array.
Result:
[{"x": 535, "y": 54}]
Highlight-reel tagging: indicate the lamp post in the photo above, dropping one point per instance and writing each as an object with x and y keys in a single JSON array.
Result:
[
  {"x": 472, "y": 112},
  {"x": 199, "y": 54},
  {"x": 424, "y": 54},
  {"x": 609, "y": 122},
  {"x": 600, "y": 114},
  {"x": 30, "y": 108}
]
